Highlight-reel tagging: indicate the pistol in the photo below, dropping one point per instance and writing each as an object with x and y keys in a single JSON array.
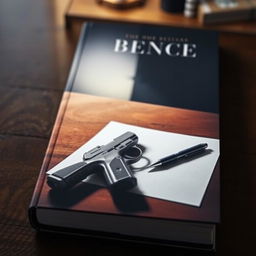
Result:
[{"x": 112, "y": 160}]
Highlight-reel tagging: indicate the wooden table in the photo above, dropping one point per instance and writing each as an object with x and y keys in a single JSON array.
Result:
[
  {"x": 81, "y": 116},
  {"x": 149, "y": 13},
  {"x": 35, "y": 55}
]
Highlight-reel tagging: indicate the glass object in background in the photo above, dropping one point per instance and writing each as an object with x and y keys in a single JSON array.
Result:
[
  {"x": 190, "y": 9},
  {"x": 121, "y": 4},
  {"x": 174, "y": 6}
]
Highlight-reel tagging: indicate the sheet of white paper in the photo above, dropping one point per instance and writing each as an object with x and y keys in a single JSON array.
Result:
[{"x": 184, "y": 183}]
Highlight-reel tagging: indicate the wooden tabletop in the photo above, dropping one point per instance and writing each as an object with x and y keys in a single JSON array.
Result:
[
  {"x": 150, "y": 13},
  {"x": 85, "y": 115},
  {"x": 35, "y": 56}
]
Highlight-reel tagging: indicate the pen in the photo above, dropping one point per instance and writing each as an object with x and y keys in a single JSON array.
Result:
[{"x": 186, "y": 153}]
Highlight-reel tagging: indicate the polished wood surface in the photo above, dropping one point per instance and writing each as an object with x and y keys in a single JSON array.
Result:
[
  {"x": 150, "y": 13},
  {"x": 35, "y": 56},
  {"x": 85, "y": 115}
]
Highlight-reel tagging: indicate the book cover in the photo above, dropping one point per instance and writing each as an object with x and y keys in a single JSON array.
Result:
[{"x": 156, "y": 77}]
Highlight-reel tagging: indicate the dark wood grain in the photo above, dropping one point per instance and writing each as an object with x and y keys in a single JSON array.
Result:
[
  {"x": 238, "y": 92},
  {"x": 20, "y": 159},
  {"x": 16, "y": 240},
  {"x": 236, "y": 234},
  {"x": 28, "y": 112},
  {"x": 32, "y": 44},
  {"x": 238, "y": 132}
]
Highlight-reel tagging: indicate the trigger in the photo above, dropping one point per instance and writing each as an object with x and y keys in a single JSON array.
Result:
[{"x": 133, "y": 153}]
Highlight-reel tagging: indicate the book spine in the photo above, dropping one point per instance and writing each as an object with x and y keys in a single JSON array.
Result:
[
  {"x": 62, "y": 108},
  {"x": 47, "y": 158}
]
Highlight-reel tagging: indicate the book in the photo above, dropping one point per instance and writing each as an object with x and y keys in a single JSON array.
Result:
[
  {"x": 211, "y": 12},
  {"x": 159, "y": 84}
]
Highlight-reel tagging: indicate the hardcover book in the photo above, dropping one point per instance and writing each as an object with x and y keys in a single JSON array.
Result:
[
  {"x": 134, "y": 153},
  {"x": 211, "y": 12}
]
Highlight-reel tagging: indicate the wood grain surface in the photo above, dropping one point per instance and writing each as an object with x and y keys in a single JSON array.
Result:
[
  {"x": 19, "y": 165},
  {"x": 85, "y": 115},
  {"x": 28, "y": 112},
  {"x": 150, "y": 13},
  {"x": 36, "y": 53},
  {"x": 32, "y": 45}
]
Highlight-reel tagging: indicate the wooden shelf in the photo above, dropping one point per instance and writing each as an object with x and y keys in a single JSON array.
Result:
[{"x": 150, "y": 13}]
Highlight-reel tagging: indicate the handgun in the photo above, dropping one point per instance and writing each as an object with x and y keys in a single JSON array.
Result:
[{"x": 112, "y": 160}]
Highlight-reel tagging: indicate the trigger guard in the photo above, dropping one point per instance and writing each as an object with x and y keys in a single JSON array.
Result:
[{"x": 132, "y": 154}]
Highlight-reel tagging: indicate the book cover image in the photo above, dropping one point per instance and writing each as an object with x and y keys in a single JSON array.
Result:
[
  {"x": 173, "y": 67},
  {"x": 141, "y": 93}
]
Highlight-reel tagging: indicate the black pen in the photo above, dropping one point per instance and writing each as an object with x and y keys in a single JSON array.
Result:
[{"x": 186, "y": 153}]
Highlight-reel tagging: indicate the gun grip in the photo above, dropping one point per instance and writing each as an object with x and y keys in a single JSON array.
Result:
[
  {"x": 69, "y": 176},
  {"x": 119, "y": 175}
]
